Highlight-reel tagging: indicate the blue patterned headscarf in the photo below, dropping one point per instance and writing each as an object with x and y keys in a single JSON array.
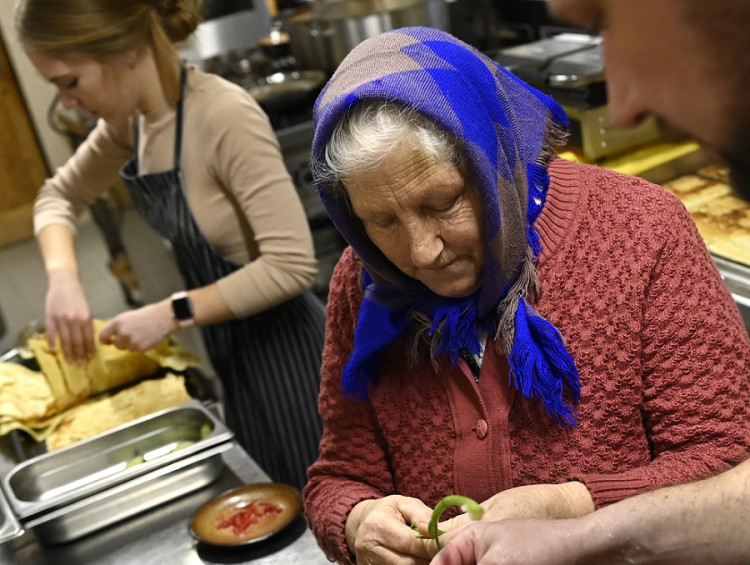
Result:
[{"x": 509, "y": 133}]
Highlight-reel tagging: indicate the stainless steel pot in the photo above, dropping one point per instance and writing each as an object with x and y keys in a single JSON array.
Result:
[
  {"x": 322, "y": 34},
  {"x": 306, "y": 38}
]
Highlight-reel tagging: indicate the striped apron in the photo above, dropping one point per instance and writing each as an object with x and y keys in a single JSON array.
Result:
[{"x": 269, "y": 363}]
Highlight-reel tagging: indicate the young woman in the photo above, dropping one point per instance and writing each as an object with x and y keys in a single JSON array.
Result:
[{"x": 205, "y": 170}]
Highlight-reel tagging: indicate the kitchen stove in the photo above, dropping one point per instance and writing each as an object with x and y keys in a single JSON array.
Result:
[
  {"x": 569, "y": 68},
  {"x": 244, "y": 63},
  {"x": 296, "y": 141}
]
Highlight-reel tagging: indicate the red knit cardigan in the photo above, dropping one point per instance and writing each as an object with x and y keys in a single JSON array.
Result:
[{"x": 661, "y": 349}]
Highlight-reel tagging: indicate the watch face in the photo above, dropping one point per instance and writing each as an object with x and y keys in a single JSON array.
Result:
[{"x": 182, "y": 308}]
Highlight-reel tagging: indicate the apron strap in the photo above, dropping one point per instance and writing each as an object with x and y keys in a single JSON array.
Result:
[{"x": 178, "y": 118}]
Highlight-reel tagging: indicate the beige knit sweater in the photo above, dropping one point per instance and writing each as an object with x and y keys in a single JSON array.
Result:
[{"x": 229, "y": 152}]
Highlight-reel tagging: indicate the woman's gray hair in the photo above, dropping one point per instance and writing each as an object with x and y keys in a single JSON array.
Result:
[
  {"x": 374, "y": 130},
  {"x": 371, "y": 132}
]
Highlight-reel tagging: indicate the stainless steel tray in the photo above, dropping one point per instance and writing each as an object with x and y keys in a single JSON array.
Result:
[
  {"x": 737, "y": 278},
  {"x": 10, "y": 528},
  {"x": 198, "y": 384},
  {"x": 124, "y": 470},
  {"x": 130, "y": 498}
]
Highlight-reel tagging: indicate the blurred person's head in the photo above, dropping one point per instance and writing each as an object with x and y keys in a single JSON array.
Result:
[{"x": 685, "y": 61}]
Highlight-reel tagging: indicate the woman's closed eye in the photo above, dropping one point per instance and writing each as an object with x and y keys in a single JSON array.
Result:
[
  {"x": 383, "y": 222},
  {"x": 445, "y": 206}
]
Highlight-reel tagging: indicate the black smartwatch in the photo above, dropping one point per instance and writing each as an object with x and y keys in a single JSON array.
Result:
[{"x": 182, "y": 309}]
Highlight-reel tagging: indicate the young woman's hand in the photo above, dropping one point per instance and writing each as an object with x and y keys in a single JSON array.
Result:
[
  {"x": 379, "y": 531},
  {"x": 141, "y": 329},
  {"x": 68, "y": 317}
]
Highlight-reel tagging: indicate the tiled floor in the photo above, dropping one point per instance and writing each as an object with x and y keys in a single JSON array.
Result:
[{"x": 23, "y": 282}]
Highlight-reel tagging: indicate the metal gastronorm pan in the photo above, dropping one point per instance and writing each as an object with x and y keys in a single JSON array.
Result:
[
  {"x": 10, "y": 528},
  {"x": 96, "y": 482}
]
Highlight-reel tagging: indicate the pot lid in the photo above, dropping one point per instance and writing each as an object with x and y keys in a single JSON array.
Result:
[
  {"x": 340, "y": 9},
  {"x": 287, "y": 87}
]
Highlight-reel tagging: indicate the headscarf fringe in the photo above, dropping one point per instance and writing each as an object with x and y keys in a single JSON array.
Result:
[
  {"x": 558, "y": 131},
  {"x": 464, "y": 331},
  {"x": 361, "y": 369},
  {"x": 540, "y": 365},
  {"x": 526, "y": 284}
]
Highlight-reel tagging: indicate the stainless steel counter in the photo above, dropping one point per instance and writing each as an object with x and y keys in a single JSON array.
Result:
[
  {"x": 161, "y": 537},
  {"x": 737, "y": 278}
]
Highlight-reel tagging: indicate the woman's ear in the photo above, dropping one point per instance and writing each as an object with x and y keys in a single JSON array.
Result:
[{"x": 130, "y": 58}]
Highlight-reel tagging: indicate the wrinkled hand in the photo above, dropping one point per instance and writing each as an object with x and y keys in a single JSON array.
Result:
[
  {"x": 566, "y": 500},
  {"x": 511, "y": 542},
  {"x": 379, "y": 531},
  {"x": 141, "y": 329},
  {"x": 68, "y": 316},
  {"x": 492, "y": 538}
]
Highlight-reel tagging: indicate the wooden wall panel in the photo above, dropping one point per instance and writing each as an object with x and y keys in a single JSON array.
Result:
[{"x": 22, "y": 165}]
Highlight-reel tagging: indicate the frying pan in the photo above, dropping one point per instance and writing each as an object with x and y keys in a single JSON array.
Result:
[{"x": 287, "y": 90}]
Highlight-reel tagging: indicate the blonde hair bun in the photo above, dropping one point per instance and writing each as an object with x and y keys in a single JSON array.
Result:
[{"x": 179, "y": 18}]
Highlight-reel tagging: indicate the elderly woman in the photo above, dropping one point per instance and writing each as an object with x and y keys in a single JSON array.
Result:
[{"x": 542, "y": 336}]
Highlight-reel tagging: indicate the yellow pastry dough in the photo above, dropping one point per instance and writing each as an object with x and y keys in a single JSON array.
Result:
[{"x": 102, "y": 414}]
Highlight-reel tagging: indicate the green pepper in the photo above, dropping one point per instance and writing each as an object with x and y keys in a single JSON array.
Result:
[{"x": 467, "y": 505}]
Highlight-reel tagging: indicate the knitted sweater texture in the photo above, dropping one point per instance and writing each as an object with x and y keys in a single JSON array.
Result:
[{"x": 661, "y": 349}]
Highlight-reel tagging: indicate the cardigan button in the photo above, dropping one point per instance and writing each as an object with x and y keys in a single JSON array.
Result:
[{"x": 481, "y": 429}]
